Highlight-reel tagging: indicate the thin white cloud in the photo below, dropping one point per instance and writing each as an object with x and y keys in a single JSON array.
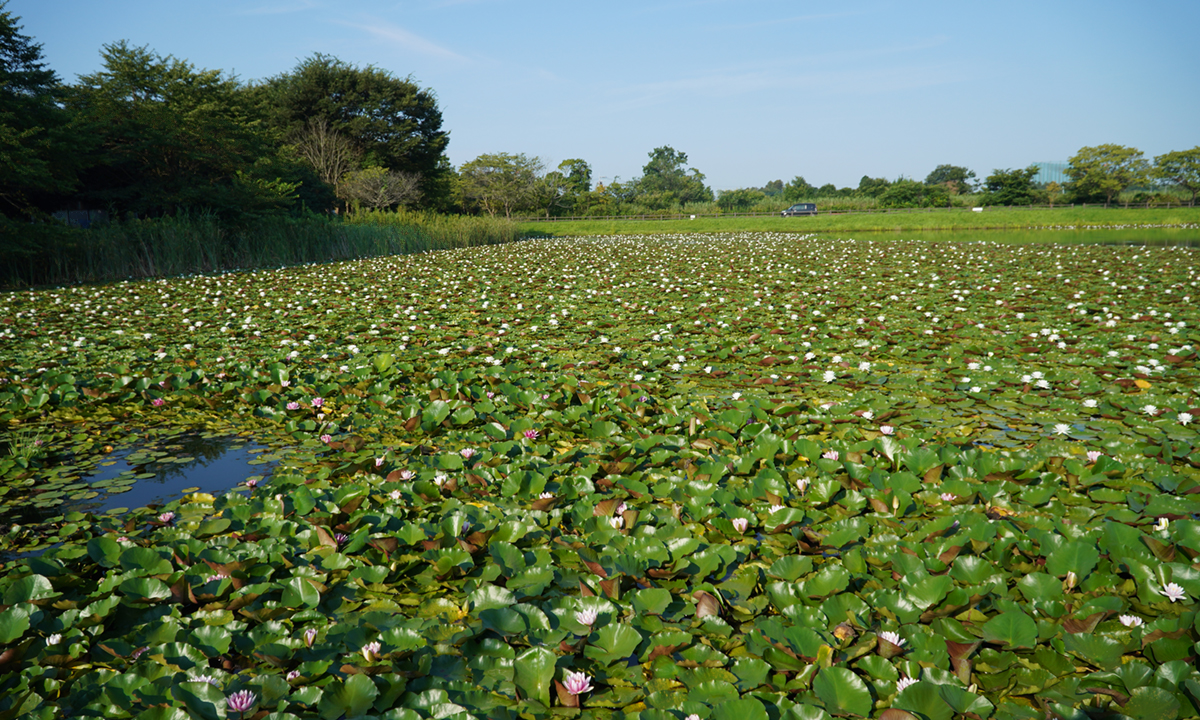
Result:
[
  {"x": 728, "y": 84},
  {"x": 676, "y": 6},
  {"x": 397, "y": 35},
  {"x": 279, "y": 8},
  {"x": 788, "y": 20},
  {"x": 453, "y": 3}
]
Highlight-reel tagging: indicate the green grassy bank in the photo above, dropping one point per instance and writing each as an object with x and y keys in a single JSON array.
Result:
[{"x": 940, "y": 219}]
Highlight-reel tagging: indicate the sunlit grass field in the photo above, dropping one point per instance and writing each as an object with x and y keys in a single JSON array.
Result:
[{"x": 917, "y": 219}]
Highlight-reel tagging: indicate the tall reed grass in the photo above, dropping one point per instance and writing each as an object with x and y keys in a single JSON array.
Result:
[
  {"x": 442, "y": 231},
  {"x": 200, "y": 243}
]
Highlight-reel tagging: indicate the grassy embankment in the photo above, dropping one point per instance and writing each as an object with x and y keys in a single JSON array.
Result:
[{"x": 940, "y": 219}]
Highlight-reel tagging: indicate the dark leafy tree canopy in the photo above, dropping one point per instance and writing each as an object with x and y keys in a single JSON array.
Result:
[
  {"x": 1106, "y": 170},
  {"x": 578, "y": 174},
  {"x": 172, "y": 138},
  {"x": 796, "y": 189},
  {"x": 872, "y": 186},
  {"x": 502, "y": 183},
  {"x": 956, "y": 179},
  {"x": 667, "y": 181},
  {"x": 37, "y": 150},
  {"x": 394, "y": 123},
  {"x": 910, "y": 193},
  {"x": 22, "y": 71},
  {"x": 1182, "y": 168},
  {"x": 741, "y": 199},
  {"x": 1011, "y": 187}
]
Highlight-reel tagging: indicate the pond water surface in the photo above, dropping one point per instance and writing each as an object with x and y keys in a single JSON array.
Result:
[{"x": 145, "y": 474}]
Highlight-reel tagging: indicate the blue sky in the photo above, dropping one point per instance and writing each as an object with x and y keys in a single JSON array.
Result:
[{"x": 751, "y": 90}]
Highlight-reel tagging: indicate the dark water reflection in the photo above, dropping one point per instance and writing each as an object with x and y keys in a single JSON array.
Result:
[
  {"x": 193, "y": 463},
  {"x": 152, "y": 472}
]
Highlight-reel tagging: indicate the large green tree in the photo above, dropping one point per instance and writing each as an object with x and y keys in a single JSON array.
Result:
[
  {"x": 389, "y": 121},
  {"x": 1106, "y": 170},
  {"x": 872, "y": 187},
  {"x": 38, "y": 146},
  {"x": 1010, "y": 187},
  {"x": 797, "y": 189},
  {"x": 1182, "y": 168},
  {"x": 954, "y": 178},
  {"x": 910, "y": 193},
  {"x": 171, "y": 138},
  {"x": 503, "y": 183},
  {"x": 566, "y": 189},
  {"x": 666, "y": 180},
  {"x": 740, "y": 199}
]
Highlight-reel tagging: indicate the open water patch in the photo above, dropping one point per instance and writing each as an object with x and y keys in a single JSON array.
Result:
[{"x": 145, "y": 474}]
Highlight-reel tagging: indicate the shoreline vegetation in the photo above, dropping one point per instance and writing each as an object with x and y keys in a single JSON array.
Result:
[
  {"x": 189, "y": 244},
  {"x": 991, "y": 218}
]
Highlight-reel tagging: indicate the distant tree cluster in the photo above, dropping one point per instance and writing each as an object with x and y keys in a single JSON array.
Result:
[
  {"x": 507, "y": 184},
  {"x": 1098, "y": 174}
]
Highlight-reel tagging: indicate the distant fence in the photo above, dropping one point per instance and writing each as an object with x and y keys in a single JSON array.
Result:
[
  {"x": 877, "y": 211},
  {"x": 82, "y": 218}
]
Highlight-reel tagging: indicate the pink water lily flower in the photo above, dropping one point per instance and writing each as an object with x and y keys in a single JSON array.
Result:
[
  {"x": 241, "y": 701},
  {"x": 578, "y": 683}
]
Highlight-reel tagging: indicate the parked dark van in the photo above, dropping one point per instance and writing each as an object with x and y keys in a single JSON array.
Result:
[{"x": 801, "y": 209}]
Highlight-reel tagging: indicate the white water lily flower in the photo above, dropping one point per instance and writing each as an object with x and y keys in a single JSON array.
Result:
[
  {"x": 892, "y": 637},
  {"x": 1173, "y": 592},
  {"x": 585, "y": 617}
]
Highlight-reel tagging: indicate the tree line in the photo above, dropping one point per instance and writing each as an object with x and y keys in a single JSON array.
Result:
[
  {"x": 152, "y": 136},
  {"x": 510, "y": 185}
]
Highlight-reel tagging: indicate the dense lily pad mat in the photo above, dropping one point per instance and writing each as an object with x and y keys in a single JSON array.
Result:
[{"x": 746, "y": 476}]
